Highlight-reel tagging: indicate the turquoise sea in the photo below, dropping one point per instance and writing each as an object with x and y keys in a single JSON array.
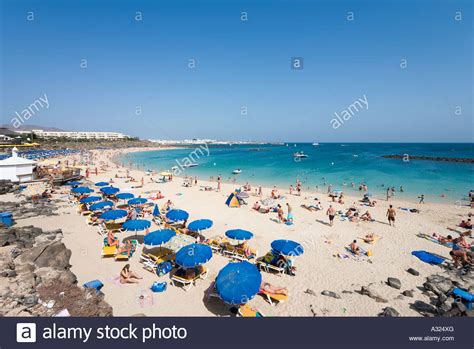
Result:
[{"x": 337, "y": 164}]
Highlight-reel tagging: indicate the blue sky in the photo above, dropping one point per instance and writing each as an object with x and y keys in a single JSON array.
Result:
[{"x": 242, "y": 63}]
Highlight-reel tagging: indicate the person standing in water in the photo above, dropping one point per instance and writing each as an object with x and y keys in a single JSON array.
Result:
[{"x": 422, "y": 198}]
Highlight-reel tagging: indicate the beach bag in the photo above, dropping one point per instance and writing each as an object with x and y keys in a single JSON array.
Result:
[
  {"x": 163, "y": 268},
  {"x": 159, "y": 286}
]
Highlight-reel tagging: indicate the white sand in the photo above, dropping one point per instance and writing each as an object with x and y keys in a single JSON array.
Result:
[{"x": 318, "y": 268}]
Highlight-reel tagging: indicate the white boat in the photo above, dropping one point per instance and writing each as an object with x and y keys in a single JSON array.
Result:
[
  {"x": 237, "y": 171},
  {"x": 190, "y": 165},
  {"x": 316, "y": 143},
  {"x": 300, "y": 155}
]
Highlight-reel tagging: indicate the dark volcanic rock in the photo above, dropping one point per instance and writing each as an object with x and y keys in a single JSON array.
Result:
[
  {"x": 424, "y": 308},
  {"x": 368, "y": 291},
  {"x": 389, "y": 312},
  {"x": 413, "y": 271},
  {"x": 330, "y": 294},
  {"x": 394, "y": 282},
  {"x": 408, "y": 293}
]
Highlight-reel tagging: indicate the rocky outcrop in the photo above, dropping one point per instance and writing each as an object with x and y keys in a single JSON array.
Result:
[
  {"x": 7, "y": 186},
  {"x": 34, "y": 266},
  {"x": 428, "y": 158}
]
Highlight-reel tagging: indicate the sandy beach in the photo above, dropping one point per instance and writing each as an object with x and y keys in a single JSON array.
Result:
[{"x": 319, "y": 268}]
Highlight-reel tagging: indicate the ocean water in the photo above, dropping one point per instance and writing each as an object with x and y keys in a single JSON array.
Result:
[{"x": 337, "y": 164}]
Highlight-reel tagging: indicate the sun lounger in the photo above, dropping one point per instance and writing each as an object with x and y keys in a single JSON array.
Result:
[
  {"x": 109, "y": 251},
  {"x": 274, "y": 298},
  {"x": 263, "y": 263},
  {"x": 246, "y": 310},
  {"x": 188, "y": 282},
  {"x": 150, "y": 261}
]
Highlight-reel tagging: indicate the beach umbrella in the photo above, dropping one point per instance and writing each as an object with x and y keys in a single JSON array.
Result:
[
  {"x": 165, "y": 174},
  {"x": 193, "y": 255},
  {"x": 159, "y": 237},
  {"x": 89, "y": 199},
  {"x": 125, "y": 196},
  {"x": 156, "y": 211},
  {"x": 177, "y": 215},
  {"x": 239, "y": 234},
  {"x": 109, "y": 190},
  {"x": 137, "y": 201},
  {"x": 178, "y": 241},
  {"x": 287, "y": 247},
  {"x": 136, "y": 225},
  {"x": 101, "y": 205},
  {"x": 113, "y": 215},
  {"x": 73, "y": 183},
  {"x": 243, "y": 195},
  {"x": 82, "y": 190},
  {"x": 237, "y": 283},
  {"x": 200, "y": 224},
  {"x": 101, "y": 184}
]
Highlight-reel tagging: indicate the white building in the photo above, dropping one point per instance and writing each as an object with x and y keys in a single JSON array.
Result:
[
  {"x": 17, "y": 169},
  {"x": 76, "y": 134}
]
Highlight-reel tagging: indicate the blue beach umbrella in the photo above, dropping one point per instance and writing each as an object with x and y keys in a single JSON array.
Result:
[
  {"x": 237, "y": 283},
  {"x": 200, "y": 224},
  {"x": 193, "y": 255},
  {"x": 113, "y": 215},
  {"x": 82, "y": 190},
  {"x": 159, "y": 237},
  {"x": 177, "y": 215},
  {"x": 101, "y": 205},
  {"x": 101, "y": 184},
  {"x": 239, "y": 234},
  {"x": 109, "y": 190},
  {"x": 125, "y": 196},
  {"x": 287, "y": 247},
  {"x": 137, "y": 201},
  {"x": 136, "y": 225},
  {"x": 156, "y": 211},
  {"x": 90, "y": 199},
  {"x": 73, "y": 183}
]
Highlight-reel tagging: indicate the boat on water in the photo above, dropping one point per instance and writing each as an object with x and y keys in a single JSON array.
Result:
[
  {"x": 190, "y": 165},
  {"x": 315, "y": 143},
  {"x": 300, "y": 155},
  {"x": 237, "y": 171}
]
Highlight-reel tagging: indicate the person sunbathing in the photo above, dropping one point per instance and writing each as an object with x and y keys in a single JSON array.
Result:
[
  {"x": 369, "y": 238},
  {"x": 354, "y": 248},
  {"x": 258, "y": 207},
  {"x": 128, "y": 277},
  {"x": 111, "y": 239},
  {"x": 366, "y": 216},
  {"x": 266, "y": 287},
  {"x": 355, "y": 217},
  {"x": 248, "y": 252},
  {"x": 466, "y": 224},
  {"x": 443, "y": 239},
  {"x": 127, "y": 248}
]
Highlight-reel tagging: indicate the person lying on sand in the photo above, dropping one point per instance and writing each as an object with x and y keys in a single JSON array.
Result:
[
  {"x": 369, "y": 238},
  {"x": 354, "y": 248},
  {"x": 355, "y": 217},
  {"x": 443, "y": 239},
  {"x": 269, "y": 288},
  {"x": 466, "y": 224},
  {"x": 129, "y": 277},
  {"x": 366, "y": 216},
  {"x": 158, "y": 196}
]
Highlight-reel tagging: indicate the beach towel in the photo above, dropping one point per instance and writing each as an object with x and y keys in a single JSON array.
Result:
[
  {"x": 428, "y": 257},
  {"x": 362, "y": 252},
  {"x": 376, "y": 238}
]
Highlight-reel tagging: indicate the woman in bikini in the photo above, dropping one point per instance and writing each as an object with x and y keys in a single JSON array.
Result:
[{"x": 128, "y": 277}]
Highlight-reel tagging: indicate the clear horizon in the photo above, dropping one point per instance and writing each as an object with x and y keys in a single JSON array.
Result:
[{"x": 391, "y": 72}]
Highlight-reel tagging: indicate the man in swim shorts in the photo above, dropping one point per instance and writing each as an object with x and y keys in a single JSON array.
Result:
[{"x": 391, "y": 216}]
